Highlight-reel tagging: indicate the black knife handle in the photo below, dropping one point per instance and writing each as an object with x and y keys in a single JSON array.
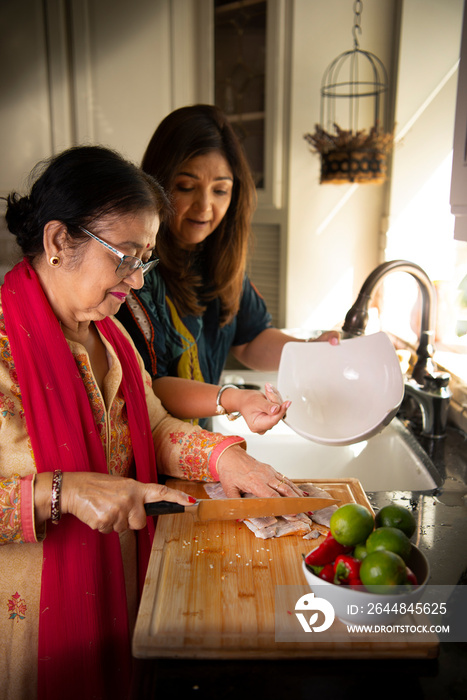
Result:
[{"x": 163, "y": 508}]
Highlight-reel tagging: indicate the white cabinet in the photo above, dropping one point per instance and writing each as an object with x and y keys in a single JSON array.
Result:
[{"x": 459, "y": 162}]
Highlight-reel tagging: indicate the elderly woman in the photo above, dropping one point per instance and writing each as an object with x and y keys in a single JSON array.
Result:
[
  {"x": 81, "y": 430},
  {"x": 199, "y": 304}
]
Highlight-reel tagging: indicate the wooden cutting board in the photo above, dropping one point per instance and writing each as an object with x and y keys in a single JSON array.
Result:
[{"x": 212, "y": 588}]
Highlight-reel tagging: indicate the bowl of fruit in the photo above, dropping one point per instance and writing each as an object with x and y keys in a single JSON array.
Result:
[{"x": 367, "y": 567}]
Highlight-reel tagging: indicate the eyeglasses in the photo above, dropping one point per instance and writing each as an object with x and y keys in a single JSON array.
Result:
[{"x": 128, "y": 263}]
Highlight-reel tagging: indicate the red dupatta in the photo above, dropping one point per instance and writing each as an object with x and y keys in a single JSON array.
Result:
[{"x": 84, "y": 646}]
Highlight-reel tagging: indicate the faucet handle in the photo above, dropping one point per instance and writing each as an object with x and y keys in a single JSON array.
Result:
[{"x": 436, "y": 381}]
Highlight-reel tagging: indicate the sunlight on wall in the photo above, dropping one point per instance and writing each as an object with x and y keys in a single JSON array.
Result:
[
  {"x": 423, "y": 232},
  {"x": 333, "y": 305},
  {"x": 341, "y": 203}
]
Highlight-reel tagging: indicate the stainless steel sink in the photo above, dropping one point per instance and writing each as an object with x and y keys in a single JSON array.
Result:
[{"x": 390, "y": 460}]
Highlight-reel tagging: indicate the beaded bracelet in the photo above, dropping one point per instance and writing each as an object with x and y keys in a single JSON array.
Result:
[
  {"x": 220, "y": 410},
  {"x": 56, "y": 512}
]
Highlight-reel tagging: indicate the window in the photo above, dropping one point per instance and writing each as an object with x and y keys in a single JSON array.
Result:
[{"x": 420, "y": 224}]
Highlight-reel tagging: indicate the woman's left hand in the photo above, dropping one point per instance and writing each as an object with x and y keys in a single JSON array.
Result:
[
  {"x": 240, "y": 473},
  {"x": 332, "y": 337},
  {"x": 261, "y": 411}
]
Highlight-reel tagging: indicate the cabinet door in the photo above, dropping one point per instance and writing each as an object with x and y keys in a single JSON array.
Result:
[
  {"x": 249, "y": 68},
  {"x": 459, "y": 161},
  {"x": 257, "y": 62}
]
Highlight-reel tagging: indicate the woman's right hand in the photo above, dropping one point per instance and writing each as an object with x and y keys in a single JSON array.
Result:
[{"x": 113, "y": 503}]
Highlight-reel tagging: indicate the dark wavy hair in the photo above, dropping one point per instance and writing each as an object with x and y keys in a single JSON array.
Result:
[
  {"x": 76, "y": 187},
  {"x": 186, "y": 133}
]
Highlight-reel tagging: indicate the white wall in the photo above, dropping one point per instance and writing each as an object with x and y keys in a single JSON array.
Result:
[
  {"x": 425, "y": 108},
  {"x": 421, "y": 226},
  {"x": 333, "y": 230},
  {"x": 337, "y": 233}
]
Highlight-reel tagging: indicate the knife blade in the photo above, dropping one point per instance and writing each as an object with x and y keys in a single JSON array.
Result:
[{"x": 241, "y": 508}]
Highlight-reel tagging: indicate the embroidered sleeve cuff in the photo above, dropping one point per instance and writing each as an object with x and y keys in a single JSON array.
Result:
[
  {"x": 17, "y": 509},
  {"x": 198, "y": 453},
  {"x": 219, "y": 450}
]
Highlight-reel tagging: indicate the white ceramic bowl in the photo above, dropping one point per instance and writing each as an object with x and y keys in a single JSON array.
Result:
[
  {"x": 362, "y": 607},
  {"x": 341, "y": 394}
]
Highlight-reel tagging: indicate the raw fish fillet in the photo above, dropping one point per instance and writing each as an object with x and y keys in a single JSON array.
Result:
[
  {"x": 323, "y": 516},
  {"x": 283, "y": 526}
]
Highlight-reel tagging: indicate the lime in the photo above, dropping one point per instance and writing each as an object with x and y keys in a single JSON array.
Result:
[
  {"x": 360, "y": 551},
  {"x": 396, "y": 516},
  {"x": 351, "y": 524},
  {"x": 391, "y": 539},
  {"x": 381, "y": 570}
]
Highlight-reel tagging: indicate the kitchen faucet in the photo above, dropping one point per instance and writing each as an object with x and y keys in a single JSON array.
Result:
[{"x": 428, "y": 387}]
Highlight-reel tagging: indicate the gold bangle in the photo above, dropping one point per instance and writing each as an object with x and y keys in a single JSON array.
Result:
[
  {"x": 55, "y": 510},
  {"x": 220, "y": 410}
]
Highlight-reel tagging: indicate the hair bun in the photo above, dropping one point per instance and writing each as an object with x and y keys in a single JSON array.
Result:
[{"x": 18, "y": 215}]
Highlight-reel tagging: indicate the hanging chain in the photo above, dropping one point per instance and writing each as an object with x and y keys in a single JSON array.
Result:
[{"x": 357, "y": 8}]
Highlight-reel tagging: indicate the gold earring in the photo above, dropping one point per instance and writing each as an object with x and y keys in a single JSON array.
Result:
[{"x": 54, "y": 261}]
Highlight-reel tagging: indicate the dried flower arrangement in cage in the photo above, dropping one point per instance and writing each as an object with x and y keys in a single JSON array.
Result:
[
  {"x": 356, "y": 81},
  {"x": 348, "y": 156}
]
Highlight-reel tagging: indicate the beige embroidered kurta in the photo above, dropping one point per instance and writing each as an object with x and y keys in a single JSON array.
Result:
[{"x": 182, "y": 450}]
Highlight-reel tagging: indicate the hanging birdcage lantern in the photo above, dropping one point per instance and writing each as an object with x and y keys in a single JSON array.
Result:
[{"x": 353, "y": 92}]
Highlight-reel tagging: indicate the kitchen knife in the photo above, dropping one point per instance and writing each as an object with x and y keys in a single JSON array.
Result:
[{"x": 241, "y": 508}]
